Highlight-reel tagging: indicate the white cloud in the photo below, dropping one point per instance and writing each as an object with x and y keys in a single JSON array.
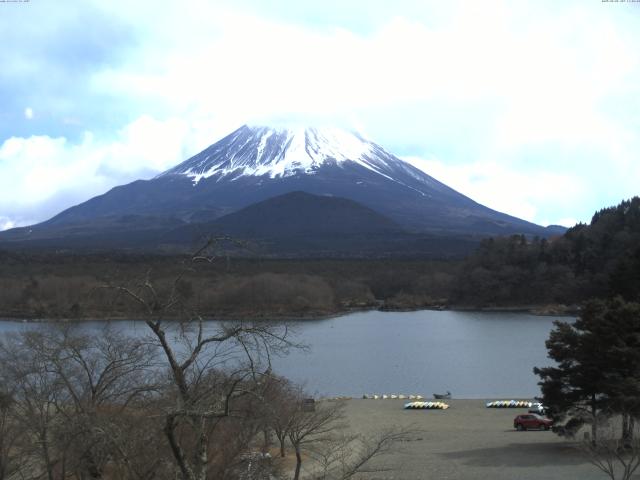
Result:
[
  {"x": 519, "y": 105},
  {"x": 146, "y": 144},
  {"x": 37, "y": 170},
  {"x": 530, "y": 196},
  {"x": 234, "y": 63},
  {"x": 6, "y": 223}
]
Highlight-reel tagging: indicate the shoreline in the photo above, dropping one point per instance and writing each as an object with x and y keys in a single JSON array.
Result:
[
  {"x": 429, "y": 398},
  {"x": 546, "y": 310}
]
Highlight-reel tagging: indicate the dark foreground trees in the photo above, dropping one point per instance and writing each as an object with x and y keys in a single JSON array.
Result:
[
  {"x": 75, "y": 399},
  {"x": 11, "y": 438},
  {"x": 596, "y": 383},
  {"x": 81, "y": 404},
  {"x": 598, "y": 367}
]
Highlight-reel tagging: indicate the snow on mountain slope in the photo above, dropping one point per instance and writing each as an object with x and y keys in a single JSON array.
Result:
[{"x": 279, "y": 153}]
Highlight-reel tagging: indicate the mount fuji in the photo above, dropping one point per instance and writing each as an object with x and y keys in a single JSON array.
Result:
[{"x": 254, "y": 164}]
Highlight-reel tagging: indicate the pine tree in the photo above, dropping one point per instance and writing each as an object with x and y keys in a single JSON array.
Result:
[{"x": 598, "y": 367}]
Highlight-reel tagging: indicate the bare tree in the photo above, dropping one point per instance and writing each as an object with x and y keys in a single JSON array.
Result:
[
  {"x": 345, "y": 457},
  {"x": 335, "y": 454},
  {"x": 12, "y": 457},
  {"x": 36, "y": 394},
  {"x": 102, "y": 376},
  {"x": 617, "y": 452},
  {"x": 73, "y": 392},
  {"x": 281, "y": 400},
  {"x": 308, "y": 428},
  {"x": 191, "y": 351}
]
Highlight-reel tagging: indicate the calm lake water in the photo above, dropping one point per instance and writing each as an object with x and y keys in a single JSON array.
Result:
[{"x": 471, "y": 354}]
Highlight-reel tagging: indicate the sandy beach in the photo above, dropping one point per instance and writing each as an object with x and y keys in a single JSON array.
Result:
[{"x": 468, "y": 441}]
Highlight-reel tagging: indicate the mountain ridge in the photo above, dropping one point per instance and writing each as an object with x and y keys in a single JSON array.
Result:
[{"x": 253, "y": 164}]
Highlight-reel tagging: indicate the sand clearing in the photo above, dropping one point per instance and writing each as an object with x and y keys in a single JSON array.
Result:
[{"x": 468, "y": 441}]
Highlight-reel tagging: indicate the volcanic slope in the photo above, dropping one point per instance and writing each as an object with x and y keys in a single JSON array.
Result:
[{"x": 253, "y": 164}]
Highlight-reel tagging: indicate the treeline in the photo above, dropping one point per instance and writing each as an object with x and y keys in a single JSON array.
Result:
[
  {"x": 601, "y": 259},
  {"x": 55, "y": 285}
]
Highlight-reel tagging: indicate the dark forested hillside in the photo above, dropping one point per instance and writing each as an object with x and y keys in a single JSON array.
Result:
[{"x": 601, "y": 259}]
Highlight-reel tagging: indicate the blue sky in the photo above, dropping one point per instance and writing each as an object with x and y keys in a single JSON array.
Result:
[{"x": 531, "y": 108}]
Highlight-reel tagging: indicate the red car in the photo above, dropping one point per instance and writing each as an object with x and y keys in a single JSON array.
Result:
[{"x": 531, "y": 420}]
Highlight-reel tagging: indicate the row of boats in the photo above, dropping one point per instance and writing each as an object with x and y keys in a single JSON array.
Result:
[
  {"x": 367, "y": 396},
  {"x": 418, "y": 402},
  {"x": 494, "y": 404},
  {"x": 426, "y": 405},
  {"x": 514, "y": 404}
]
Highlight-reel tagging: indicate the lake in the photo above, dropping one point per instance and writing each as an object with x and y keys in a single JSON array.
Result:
[{"x": 471, "y": 354}]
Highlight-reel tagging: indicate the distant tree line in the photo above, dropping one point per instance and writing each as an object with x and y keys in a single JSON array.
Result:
[
  {"x": 62, "y": 285},
  {"x": 599, "y": 260}
]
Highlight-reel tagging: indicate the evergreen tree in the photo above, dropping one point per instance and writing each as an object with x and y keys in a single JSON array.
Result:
[
  {"x": 598, "y": 366},
  {"x": 601, "y": 260}
]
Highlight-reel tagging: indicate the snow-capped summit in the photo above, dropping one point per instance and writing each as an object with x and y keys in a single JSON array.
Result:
[{"x": 284, "y": 152}]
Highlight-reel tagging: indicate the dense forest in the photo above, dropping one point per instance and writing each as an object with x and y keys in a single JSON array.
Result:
[{"x": 601, "y": 259}]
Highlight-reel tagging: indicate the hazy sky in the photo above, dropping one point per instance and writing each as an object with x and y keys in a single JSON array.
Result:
[{"x": 531, "y": 108}]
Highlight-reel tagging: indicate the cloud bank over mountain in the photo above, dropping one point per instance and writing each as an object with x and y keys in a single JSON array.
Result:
[{"x": 520, "y": 106}]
